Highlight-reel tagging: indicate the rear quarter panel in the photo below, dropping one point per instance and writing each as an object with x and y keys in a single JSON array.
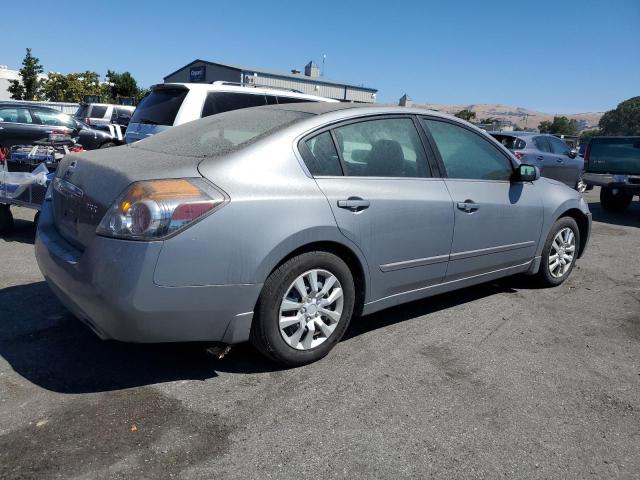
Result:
[{"x": 274, "y": 209}]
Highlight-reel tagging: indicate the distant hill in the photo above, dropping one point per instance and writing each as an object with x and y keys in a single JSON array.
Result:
[{"x": 516, "y": 115}]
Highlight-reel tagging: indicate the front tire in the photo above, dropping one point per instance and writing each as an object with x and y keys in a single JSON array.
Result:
[
  {"x": 6, "y": 219},
  {"x": 560, "y": 252},
  {"x": 615, "y": 200},
  {"x": 304, "y": 309}
]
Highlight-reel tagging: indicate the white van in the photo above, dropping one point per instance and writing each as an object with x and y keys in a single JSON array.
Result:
[{"x": 171, "y": 104}]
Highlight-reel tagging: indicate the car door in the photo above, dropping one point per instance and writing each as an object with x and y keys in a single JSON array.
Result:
[
  {"x": 546, "y": 159},
  {"x": 567, "y": 167},
  {"x": 497, "y": 223},
  {"x": 377, "y": 179},
  {"x": 16, "y": 126}
]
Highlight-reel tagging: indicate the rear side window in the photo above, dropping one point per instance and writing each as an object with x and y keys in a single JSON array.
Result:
[
  {"x": 511, "y": 142},
  {"x": 82, "y": 111},
  {"x": 382, "y": 148},
  {"x": 98, "y": 111},
  {"x": 219, "y": 102},
  {"x": 322, "y": 157},
  {"x": 15, "y": 115},
  {"x": 542, "y": 144},
  {"x": 160, "y": 107},
  {"x": 466, "y": 154}
]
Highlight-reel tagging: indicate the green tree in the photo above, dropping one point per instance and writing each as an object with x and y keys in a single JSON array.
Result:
[
  {"x": 121, "y": 85},
  {"x": 588, "y": 134},
  {"x": 29, "y": 86},
  {"x": 623, "y": 120},
  {"x": 559, "y": 126},
  {"x": 465, "y": 114},
  {"x": 72, "y": 87}
]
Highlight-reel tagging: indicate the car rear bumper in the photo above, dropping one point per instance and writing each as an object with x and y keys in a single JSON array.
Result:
[
  {"x": 110, "y": 287},
  {"x": 622, "y": 182}
]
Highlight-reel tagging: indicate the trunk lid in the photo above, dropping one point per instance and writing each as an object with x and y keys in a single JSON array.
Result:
[{"x": 88, "y": 183}]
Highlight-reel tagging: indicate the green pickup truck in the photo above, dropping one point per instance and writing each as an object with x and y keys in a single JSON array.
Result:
[{"x": 613, "y": 163}]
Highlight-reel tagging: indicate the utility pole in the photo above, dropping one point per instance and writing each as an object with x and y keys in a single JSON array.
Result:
[{"x": 324, "y": 57}]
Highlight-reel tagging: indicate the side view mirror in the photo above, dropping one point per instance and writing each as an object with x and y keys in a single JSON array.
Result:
[
  {"x": 573, "y": 153},
  {"x": 526, "y": 173}
]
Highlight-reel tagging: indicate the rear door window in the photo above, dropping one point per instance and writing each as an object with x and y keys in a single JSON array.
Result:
[
  {"x": 160, "y": 107},
  {"x": 98, "y": 111},
  {"x": 54, "y": 119},
  {"x": 219, "y": 102},
  {"x": 382, "y": 148}
]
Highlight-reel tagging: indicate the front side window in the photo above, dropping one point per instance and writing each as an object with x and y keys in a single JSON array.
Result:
[
  {"x": 219, "y": 102},
  {"x": 54, "y": 119},
  {"x": 542, "y": 144},
  {"x": 323, "y": 158},
  {"x": 382, "y": 148},
  {"x": 15, "y": 115},
  {"x": 466, "y": 154},
  {"x": 558, "y": 146}
]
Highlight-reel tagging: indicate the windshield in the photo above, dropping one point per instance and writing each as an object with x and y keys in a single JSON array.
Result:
[
  {"x": 82, "y": 111},
  {"x": 160, "y": 107},
  {"x": 511, "y": 142},
  {"x": 221, "y": 133}
]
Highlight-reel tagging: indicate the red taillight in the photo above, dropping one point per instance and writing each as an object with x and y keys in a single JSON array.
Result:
[{"x": 518, "y": 155}]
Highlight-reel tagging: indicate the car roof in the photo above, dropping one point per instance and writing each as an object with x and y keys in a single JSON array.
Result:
[
  {"x": 30, "y": 105},
  {"x": 517, "y": 134},
  {"x": 359, "y": 108}
]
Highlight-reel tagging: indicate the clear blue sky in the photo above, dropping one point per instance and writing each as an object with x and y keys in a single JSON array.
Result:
[{"x": 553, "y": 56}]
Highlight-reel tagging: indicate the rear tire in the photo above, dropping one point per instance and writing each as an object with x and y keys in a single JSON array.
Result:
[
  {"x": 615, "y": 202},
  {"x": 295, "y": 328},
  {"x": 559, "y": 253},
  {"x": 6, "y": 219}
]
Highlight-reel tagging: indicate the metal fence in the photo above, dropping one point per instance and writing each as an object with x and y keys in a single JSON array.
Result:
[{"x": 64, "y": 107}]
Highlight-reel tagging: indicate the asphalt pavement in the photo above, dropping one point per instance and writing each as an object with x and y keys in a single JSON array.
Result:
[{"x": 503, "y": 380}]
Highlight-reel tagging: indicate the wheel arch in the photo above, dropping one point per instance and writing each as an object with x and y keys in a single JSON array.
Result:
[
  {"x": 583, "y": 226},
  {"x": 349, "y": 254}
]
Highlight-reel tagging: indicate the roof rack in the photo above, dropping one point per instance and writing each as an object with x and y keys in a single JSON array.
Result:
[{"x": 254, "y": 85}]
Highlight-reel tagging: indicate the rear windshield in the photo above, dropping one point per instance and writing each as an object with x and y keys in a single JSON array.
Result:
[
  {"x": 511, "y": 142},
  {"x": 615, "y": 155},
  {"x": 222, "y": 133},
  {"x": 160, "y": 107},
  {"x": 82, "y": 111}
]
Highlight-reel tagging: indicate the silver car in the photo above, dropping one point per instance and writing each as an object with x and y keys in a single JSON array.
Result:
[
  {"x": 550, "y": 154},
  {"x": 277, "y": 224}
]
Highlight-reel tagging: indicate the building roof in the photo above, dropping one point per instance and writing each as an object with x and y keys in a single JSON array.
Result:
[{"x": 298, "y": 77}]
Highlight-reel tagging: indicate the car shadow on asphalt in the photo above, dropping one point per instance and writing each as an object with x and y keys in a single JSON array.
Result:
[
  {"x": 24, "y": 231},
  {"x": 47, "y": 346},
  {"x": 628, "y": 218}
]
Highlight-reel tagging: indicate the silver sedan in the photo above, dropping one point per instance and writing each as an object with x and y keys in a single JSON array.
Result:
[{"x": 278, "y": 224}]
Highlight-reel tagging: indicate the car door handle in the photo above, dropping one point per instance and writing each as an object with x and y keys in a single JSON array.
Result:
[
  {"x": 540, "y": 157},
  {"x": 355, "y": 204},
  {"x": 468, "y": 206},
  {"x": 559, "y": 160}
]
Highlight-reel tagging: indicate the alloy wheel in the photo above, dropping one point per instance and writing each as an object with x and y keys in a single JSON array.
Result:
[
  {"x": 311, "y": 309},
  {"x": 562, "y": 254}
]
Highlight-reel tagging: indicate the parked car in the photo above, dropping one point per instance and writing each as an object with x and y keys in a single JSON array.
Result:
[
  {"x": 96, "y": 114},
  {"x": 549, "y": 153},
  {"x": 172, "y": 104},
  {"x": 613, "y": 163},
  {"x": 276, "y": 224},
  {"x": 22, "y": 124}
]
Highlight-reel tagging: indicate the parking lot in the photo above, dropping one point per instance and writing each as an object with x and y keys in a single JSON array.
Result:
[{"x": 500, "y": 380}]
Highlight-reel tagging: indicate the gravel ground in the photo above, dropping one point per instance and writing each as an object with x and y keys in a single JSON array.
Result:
[{"x": 498, "y": 381}]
